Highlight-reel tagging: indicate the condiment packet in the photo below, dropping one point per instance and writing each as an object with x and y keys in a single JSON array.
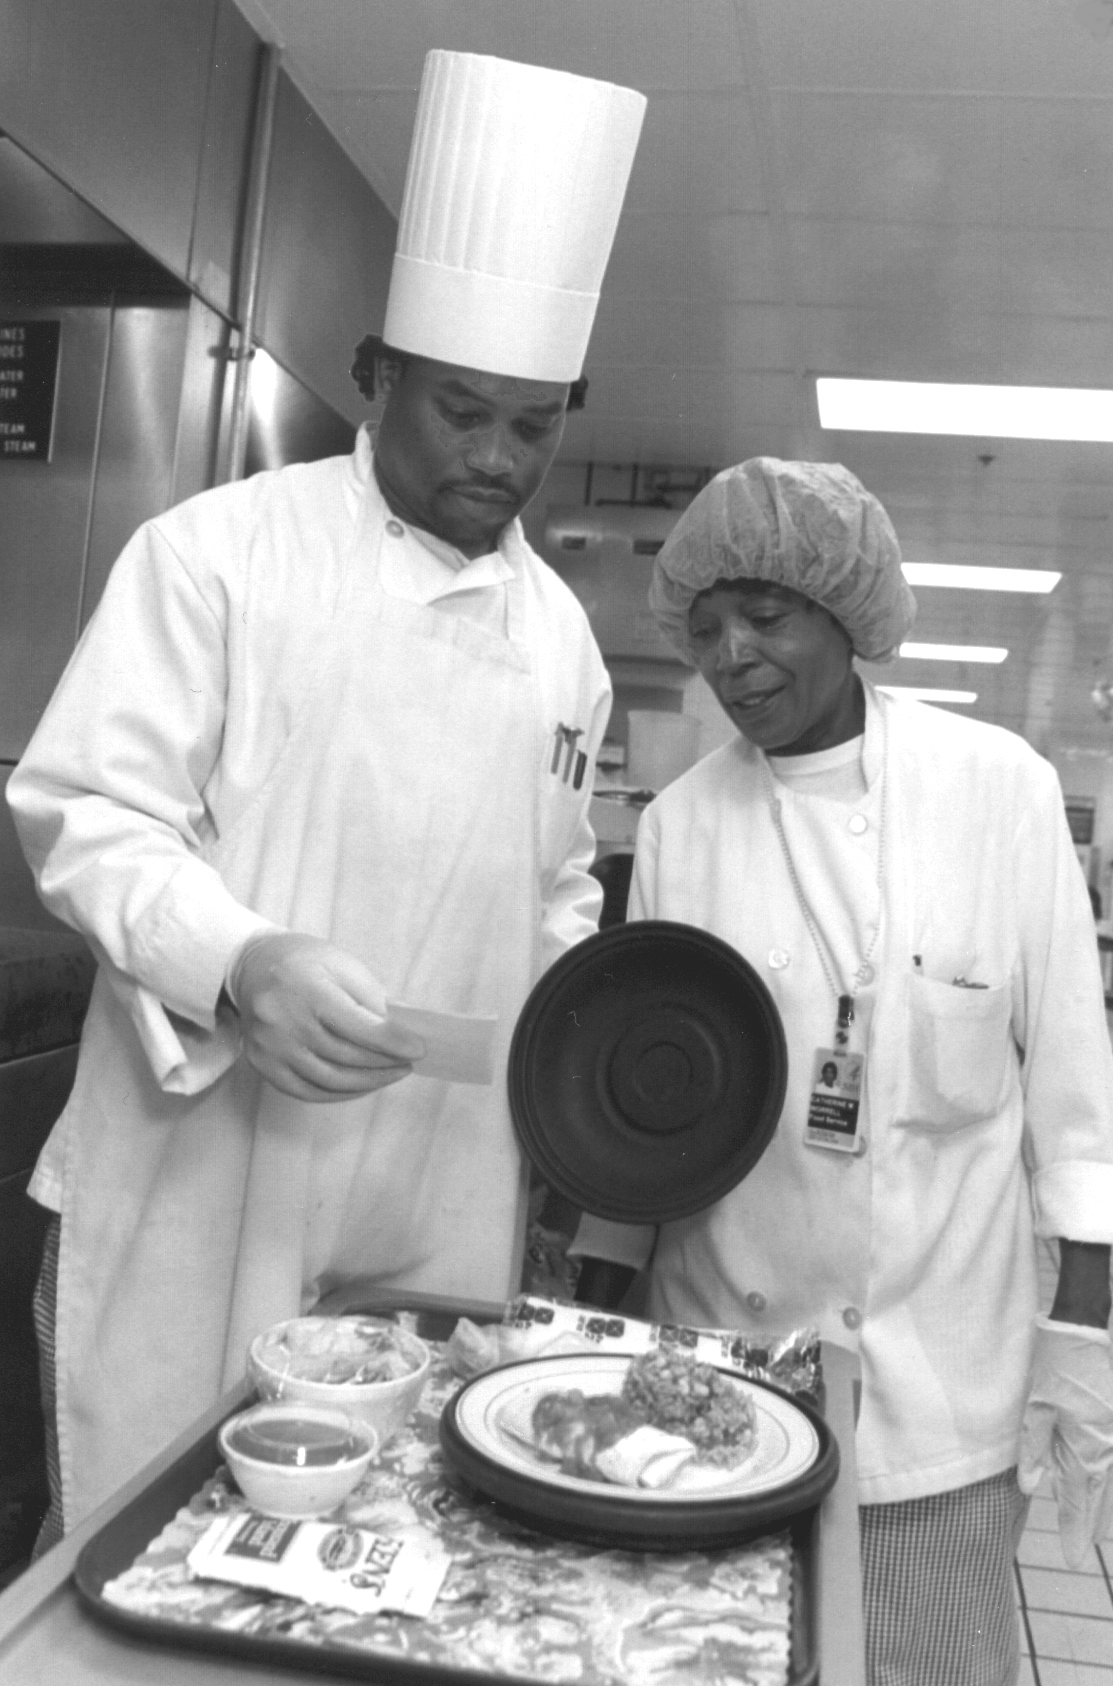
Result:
[{"x": 332, "y": 1564}]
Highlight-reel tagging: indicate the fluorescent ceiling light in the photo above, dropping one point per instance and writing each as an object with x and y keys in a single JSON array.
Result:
[
  {"x": 954, "y": 652},
  {"x": 961, "y": 578},
  {"x": 979, "y": 412},
  {"x": 928, "y": 693}
]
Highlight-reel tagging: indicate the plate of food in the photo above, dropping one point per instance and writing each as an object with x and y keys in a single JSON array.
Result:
[{"x": 653, "y": 1451}]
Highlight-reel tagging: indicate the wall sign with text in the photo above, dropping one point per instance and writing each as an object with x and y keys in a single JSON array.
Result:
[{"x": 28, "y": 383}]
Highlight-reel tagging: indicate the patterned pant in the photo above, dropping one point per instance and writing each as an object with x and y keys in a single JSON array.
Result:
[
  {"x": 45, "y": 1301},
  {"x": 938, "y": 1586}
]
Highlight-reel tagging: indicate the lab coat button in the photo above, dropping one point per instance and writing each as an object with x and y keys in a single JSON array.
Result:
[
  {"x": 395, "y": 529},
  {"x": 858, "y": 823},
  {"x": 852, "y": 1317},
  {"x": 756, "y": 1301},
  {"x": 779, "y": 958}
]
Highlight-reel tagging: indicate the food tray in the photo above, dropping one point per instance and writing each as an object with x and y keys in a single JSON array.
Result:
[{"x": 518, "y": 1562}]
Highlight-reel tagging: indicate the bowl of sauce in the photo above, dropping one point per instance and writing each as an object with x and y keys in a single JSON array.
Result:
[{"x": 295, "y": 1460}]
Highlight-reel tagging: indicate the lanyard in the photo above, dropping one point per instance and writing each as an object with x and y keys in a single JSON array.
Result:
[{"x": 864, "y": 973}]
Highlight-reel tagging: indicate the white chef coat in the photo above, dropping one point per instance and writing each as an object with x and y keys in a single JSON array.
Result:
[
  {"x": 289, "y": 710},
  {"x": 987, "y": 1114}
]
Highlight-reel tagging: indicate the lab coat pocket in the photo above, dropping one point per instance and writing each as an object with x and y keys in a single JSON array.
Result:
[
  {"x": 565, "y": 780},
  {"x": 956, "y": 1071}
]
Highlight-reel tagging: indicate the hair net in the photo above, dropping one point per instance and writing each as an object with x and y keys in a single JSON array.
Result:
[{"x": 809, "y": 526}]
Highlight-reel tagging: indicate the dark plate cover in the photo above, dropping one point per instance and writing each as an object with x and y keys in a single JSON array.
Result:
[{"x": 647, "y": 1072}]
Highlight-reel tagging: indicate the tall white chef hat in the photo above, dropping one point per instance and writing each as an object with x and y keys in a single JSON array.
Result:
[{"x": 515, "y": 183}]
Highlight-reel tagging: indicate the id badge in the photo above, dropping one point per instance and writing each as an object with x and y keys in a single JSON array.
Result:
[{"x": 835, "y": 1100}]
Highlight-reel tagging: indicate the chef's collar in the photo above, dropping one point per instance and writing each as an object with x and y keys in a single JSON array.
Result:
[
  {"x": 435, "y": 568},
  {"x": 872, "y": 739},
  {"x": 819, "y": 760},
  {"x": 448, "y": 553}
]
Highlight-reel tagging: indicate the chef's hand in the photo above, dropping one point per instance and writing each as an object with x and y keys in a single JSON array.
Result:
[
  {"x": 1068, "y": 1430},
  {"x": 314, "y": 1019}
]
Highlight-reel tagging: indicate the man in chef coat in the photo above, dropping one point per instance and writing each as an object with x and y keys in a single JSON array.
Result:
[
  {"x": 905, "y": 882},
  {"x": 325, "y": 747}
]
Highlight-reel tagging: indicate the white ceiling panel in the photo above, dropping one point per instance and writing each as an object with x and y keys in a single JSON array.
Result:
[
  {"x": 986, "y": 47},
  {"x": 889, "y": 158},
  {"x": 1056, "y": 162},
  {"x": 872, "y": 265}
]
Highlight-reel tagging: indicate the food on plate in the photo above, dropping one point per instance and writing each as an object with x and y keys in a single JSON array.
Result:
[
  {"x": 599, "y": 1437},
  {"x": 339, "y": 1350},
  {"x": 673, "y": 1393},
  {"x": 671, "y": 1416},
  {"x": 573, "y": 1427}
]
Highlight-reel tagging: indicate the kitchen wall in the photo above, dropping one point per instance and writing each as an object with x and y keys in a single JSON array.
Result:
[
  {"x": 146, "y": 111},
  {"x": 125, "y": 131}
]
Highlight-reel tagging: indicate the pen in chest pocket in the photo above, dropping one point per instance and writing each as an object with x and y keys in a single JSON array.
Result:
[
  {"x": 574, "y": 760},
  {"x": 957, "y": 982}
]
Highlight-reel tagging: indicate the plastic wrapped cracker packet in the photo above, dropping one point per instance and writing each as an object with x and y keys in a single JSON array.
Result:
[
  {"x": 330, "y": 1564},
  {"x": 472, "y": 1349},
  {"x": 535, "y": 1327}
]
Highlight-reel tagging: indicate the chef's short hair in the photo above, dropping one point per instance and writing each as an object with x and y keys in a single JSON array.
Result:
[{"x": 372, "y": 348}]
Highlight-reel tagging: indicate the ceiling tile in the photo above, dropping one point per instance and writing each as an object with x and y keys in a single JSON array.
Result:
[
  {"x": 924, "y": 159},
  {"x": 1057, "y": 162},
  {"x": 876, "y": 264},
  {"x": 654, "y": 45},
  {"x": 883, "y": 44},
  {"x": 1050, "y": 351},
  {"x": 728, "y": 257},
  {"x": 989, "y": 47},
  {"x": 679, "y": 336},
  {"x": 1056, "y": 271},
  {"x": 698, "y": 156}
]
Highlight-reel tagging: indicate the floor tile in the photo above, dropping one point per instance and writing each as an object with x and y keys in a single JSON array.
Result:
[
  {"x": 1078, "y": 1595},
  {"x": 1025, "y": 1677},
  {"x": 1070, "y": 1674},
  {"x": 1044, "y": 1551},
  {"x": 1043, "y": 1516},
  {"x": 1075, "y": 1639}
]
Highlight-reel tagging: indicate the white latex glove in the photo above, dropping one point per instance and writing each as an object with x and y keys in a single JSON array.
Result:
[
  {"x": 1068, "y": 1430},
  {"x": 315, "y": 1019}
]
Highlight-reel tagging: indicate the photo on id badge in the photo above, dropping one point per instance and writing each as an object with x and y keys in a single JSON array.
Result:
[{"x": 836, "y": 1094}]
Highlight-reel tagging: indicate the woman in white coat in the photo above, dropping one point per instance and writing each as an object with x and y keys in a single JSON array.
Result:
[{"x": 905, "y": 881}]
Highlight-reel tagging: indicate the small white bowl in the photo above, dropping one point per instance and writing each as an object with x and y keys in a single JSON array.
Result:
[
  {"x": 295, "y": 1491},
  {"x": 383, "y": 1406}
]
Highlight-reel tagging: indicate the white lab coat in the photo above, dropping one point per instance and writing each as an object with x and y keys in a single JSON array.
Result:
[
  {"x": 274, "y": 718},
  {"x": 987, "y": 1111}
]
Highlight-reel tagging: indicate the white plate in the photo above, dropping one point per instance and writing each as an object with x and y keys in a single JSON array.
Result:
[{"x": 492, "y": 1410}]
